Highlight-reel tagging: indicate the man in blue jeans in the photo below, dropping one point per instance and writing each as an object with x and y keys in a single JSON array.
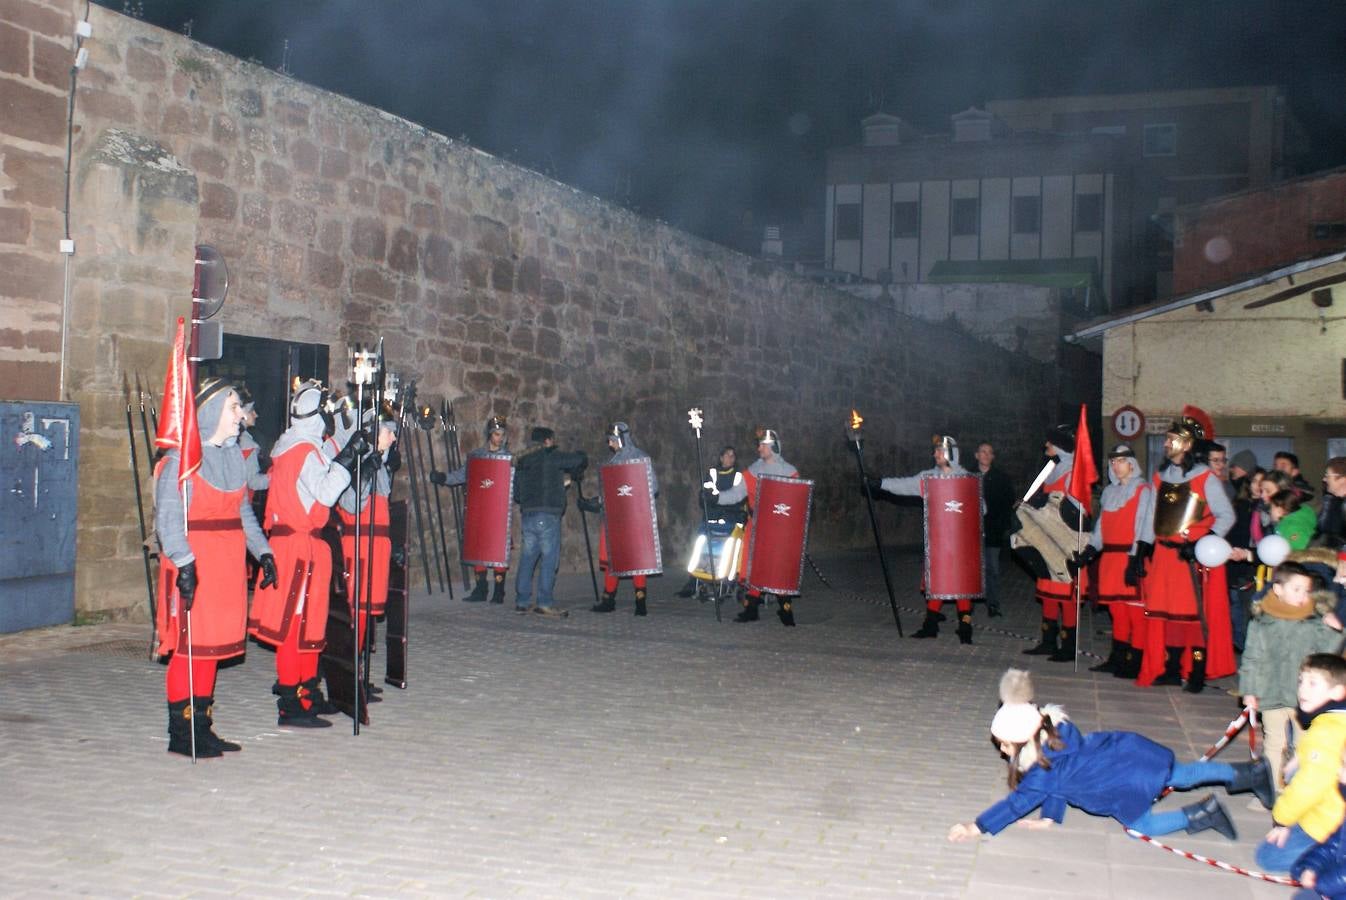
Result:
[{"x": 540, "y": 490}]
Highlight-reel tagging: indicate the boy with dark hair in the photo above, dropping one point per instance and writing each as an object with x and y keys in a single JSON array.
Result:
[
  {"x": 1311, "y": 807},
  {"x": 1286, "y": 627}
]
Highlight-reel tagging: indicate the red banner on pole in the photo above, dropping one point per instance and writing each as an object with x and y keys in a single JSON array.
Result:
[
  {"x": 1083, "y": 472},
  {"x": 177, "y": 424}
]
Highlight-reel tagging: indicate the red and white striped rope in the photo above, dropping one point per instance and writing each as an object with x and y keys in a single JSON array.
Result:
[{"x": 1247, "y": 717}]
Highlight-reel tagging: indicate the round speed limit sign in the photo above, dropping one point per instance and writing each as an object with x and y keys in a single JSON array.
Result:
[{"x": 1128, "y": 422}]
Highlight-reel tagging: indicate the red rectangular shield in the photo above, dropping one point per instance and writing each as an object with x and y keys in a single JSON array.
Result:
[
  {"x": 490, "y": 489},
  {"x": 780, "y": 534},
  {"x": 630, "y": 521},
  {"x": 953, "y": 537}
]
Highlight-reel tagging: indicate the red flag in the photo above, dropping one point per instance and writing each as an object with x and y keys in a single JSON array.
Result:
[
  {"x": 1083, "y": 473},
  {"x": 177, "y": 422}
]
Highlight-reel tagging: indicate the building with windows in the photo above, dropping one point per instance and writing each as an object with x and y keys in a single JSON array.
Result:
[{"x": 1050, "y": 187}]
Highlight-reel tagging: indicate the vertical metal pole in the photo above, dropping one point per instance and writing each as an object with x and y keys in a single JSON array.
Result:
[
  {"x": 878, "y": 542},
  {"x": 357, "y": 581}
]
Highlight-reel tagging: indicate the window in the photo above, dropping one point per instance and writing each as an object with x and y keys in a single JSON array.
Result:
[
  {"x": 1089, "y": 212},
  {"x": 1027, "y": 215},
  {"x": 848, "y": 221},
  {"x": 906, "y": 219},
  {"x": 966, "y": 212},
  {"x": 1160, "y": 140}
]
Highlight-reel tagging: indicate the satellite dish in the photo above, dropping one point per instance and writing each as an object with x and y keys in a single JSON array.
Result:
[{"x": 210, "y": 283}]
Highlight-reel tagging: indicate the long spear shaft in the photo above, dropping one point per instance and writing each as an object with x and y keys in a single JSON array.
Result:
[
  {"x": 357, "y": 582},
  {"x": 695, "y": 418},
  {"x": 145, "y": 429},
  {"x": 439, "y": 511},
  {"x": 377, "y": 403},
  {"x": 453, "y": 456},
  {"x": 408, "y": 428},
  {"x": 588, "y": 547},
  {"x": 140, "y": 512},
  {"x": 878, "y": 542}
]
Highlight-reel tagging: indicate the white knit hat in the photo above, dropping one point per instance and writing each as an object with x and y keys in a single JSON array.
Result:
[{"x": 1019, "y": 719}]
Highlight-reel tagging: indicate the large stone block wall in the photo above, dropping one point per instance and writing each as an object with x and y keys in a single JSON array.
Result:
[{"x": 496, "y": 287}]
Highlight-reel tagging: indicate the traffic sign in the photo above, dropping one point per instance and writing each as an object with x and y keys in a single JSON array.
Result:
[{"x": 1128, "y": 422}]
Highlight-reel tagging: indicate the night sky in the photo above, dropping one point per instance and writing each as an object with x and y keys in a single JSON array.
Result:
[{"x": 699, "y": 112}]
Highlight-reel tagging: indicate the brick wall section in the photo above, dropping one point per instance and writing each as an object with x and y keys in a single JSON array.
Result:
[
  {"x": 1245, "y": 234},
  {"x": 494, "y": 286},
  {"x": 35, "y": 56}
]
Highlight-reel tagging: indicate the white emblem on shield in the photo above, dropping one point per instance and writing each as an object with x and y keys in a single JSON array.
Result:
[
  {"x": 955, "y": 506},
  {"x": 781, "y": 509},
  {"x": 487, "y": 483},
  {"x": 624, "y": 490}
]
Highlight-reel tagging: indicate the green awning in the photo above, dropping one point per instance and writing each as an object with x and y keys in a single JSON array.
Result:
[{"x": 1056, "y": 273}]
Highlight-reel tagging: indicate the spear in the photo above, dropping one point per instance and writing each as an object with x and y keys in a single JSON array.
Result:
[
  {"x": 857, "y": 443},
  {"x": 453, "y": 459},
  {"x": 408, "y": 431},
  {"x": 428, "y": 420},
  {"x": 140, "y": 512}
]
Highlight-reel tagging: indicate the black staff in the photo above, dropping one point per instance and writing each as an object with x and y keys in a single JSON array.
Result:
[
  {"x": 140, "y": 512},
  {"x": 858, "y": 444}
]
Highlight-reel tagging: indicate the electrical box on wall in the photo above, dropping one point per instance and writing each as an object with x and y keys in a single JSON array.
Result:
[{"x": 39, "y": 468}]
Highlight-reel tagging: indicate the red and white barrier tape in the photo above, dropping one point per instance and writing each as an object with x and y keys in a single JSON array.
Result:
[{"x": 1247, "y": 717}]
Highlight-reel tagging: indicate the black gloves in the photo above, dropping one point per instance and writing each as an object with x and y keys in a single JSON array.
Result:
[
  {"x": 875, "y": 485},
  {"x": 356, "y": 447},
  {"x": 186, "y": 583},
  {"x": 399, "y": 556},
  {"x": 590, "y": 504},
  {"x": 1187, "y": 552},
  {"x": 268, "y": 566},
  {"x": 1135, "y": 564},
  {"x": 1082, "y": 559},
  {"x": 393, "y": 462},
  {"x": 438, "y": 477}
]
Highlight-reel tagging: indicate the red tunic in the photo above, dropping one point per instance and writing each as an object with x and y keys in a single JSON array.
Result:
[
  {"x": 303, "y": 560},
  {"x": 1119, "y": 533},
  {"x": 220, "y": 607},
  {"x": 375, "y": 570}
]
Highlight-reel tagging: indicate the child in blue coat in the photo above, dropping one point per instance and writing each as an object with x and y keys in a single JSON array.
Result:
[{"x": 1120, "y": 774}]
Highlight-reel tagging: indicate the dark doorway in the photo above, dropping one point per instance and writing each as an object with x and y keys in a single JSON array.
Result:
[{"x": 267, "y": 367}]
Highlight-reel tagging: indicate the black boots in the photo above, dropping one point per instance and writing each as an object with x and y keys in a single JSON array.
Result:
[
  {"x": 964, "y": 630},
  {"x": 290, "y": 709},
  {"x": 607, "y": 604},
  {"x": 478, "y": 594},
  {"x": 1129, "y": 667},
  {"x": 1253, "y": 776},
  {"x": 1113, "y": 661},
  {"x": 930, "y": 627},
  {"x": 1196, "y": 679},
  {"x": 203, "y": 720},
  {"x": 498, "y": 592},
  {"x": 1046, "y": 646},
  {"x": 1209, "y": 813},
  {"x": 640, "y": 602},
  {"x": 786, "y": 612},
  {"x": 1172, "y": 676},
  {"x": 749, "y": 613},
  {"x": 311, "y": 690},
  {"x": 180, "y": 727},
  {"x": 1066, "y": 651}
]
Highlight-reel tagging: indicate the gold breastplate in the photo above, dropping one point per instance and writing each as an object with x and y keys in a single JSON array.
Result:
[{"x": 1176, "y": 508}]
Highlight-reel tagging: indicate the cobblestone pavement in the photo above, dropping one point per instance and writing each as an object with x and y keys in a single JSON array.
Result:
[{"x": 594, "y": 756}]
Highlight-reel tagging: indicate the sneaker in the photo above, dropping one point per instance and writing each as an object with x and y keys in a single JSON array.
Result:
[{"x": 551, "y": 611}]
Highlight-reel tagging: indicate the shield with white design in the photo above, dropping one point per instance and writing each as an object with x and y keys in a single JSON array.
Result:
[
  {"x": 489, "y": 488},
  {"x": 629, "y": 518},
  {"x": 953, "y": 537},
  {"x": 780, "y": 534}
]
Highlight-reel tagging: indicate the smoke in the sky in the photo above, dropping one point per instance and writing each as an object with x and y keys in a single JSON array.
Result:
[{"x": 697, "y": 111}]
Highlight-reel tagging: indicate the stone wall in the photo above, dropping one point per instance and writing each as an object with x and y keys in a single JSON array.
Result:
[{"x": 496, "y": 287}]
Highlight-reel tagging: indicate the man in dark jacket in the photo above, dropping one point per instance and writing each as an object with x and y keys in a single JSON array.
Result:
[
  {"x": 998, "y": 493},
  {"x": 540, "y": 491}
]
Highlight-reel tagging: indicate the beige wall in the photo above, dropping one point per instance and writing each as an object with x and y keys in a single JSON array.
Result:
[{"x": 1276, "y": 370}]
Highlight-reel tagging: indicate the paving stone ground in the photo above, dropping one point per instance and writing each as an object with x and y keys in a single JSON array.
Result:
[{"x": 595, "y": 756}]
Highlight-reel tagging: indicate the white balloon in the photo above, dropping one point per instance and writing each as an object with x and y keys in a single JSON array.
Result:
[
  {"x": 1273, "y": 549},
  {"x": 1213, "y": 550}
]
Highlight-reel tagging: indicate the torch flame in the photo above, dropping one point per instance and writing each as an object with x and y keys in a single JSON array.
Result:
[{"x": 856, "y": 420}]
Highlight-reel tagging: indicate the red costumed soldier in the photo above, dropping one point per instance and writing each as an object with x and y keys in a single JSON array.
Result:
[
  {"x": 1186, "y": 603},
  {"x": 292, "y": 615},
  {"x": 1125, "y": 511},
  {"x": 203, "y": 566}
]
